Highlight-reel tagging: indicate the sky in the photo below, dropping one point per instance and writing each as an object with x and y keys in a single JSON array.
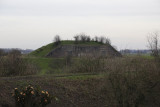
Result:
[{"x": 30, "y": 24}]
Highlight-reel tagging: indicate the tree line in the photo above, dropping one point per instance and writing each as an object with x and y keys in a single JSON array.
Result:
[{"x": 82, "y": 38}]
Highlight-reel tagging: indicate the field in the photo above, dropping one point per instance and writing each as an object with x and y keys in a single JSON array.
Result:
[
  {"x": 127, "y": 81},
  {"x": 59, "y": 53}
]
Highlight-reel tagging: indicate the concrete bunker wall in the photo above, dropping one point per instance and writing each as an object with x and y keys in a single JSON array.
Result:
[{"x": 80, "y": 50}]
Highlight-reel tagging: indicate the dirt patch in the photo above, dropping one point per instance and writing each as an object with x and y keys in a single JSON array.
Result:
[{"x": 70, "y": 92}]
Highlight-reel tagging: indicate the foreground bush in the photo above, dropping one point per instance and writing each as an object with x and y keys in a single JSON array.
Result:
[
  {"x": 133, "y": 82},
  {"x": 31, "y": 97}
]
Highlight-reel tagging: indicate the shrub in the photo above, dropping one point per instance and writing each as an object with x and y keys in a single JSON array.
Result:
[
  {"x": 132, "y": 82},
  {"x": 88, "y": 64},
  {"x": 31, "y": 97},
  {"x": 16, "y": 65}
]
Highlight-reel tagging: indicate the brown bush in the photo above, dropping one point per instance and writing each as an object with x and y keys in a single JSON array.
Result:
[
  {"x": 13, "y": 64},
  {"x": 133, "y": 82},
  {"x": 88, "y": 64}
]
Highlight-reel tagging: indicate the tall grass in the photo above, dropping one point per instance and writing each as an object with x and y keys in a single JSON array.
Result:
[
  {"x": 88, "y": 64},
  {"x": 15, "y": 65}
]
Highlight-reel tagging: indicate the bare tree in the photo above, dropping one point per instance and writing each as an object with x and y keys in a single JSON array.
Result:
[
  {"x": 107, "y": 41},
  {"x": 82, "y": 37},
  {"x": 76, "y": 39},
  {"x": 57, "y": 40},
  {"x": 96, "y": 39},
  {"x": 101, "y": 39},
  {"x": 104, "y": 40},
  {"x": 88, "y": 39},
  {"x": 153, "y": 43}
]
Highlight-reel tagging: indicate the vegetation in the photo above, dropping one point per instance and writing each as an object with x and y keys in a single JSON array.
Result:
[
  {"x": 82, "y": 38},
  {"x": 12, "y": 64},
  {"x": 128, "y": 81},
  {"x": 57, "y": 40},
  {"x": 41, "y": 63},
  {"x": 43, "y": 51},
  {"x": 31, "y": 97},
  {"x": 153, "y": 43},
  {"x": 133, "y": 81},
  {"x": 87, "y": 64}
]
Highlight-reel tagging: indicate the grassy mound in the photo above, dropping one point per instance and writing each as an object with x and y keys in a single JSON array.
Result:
[
  {"x": 44, "y": 50},
  {"x": 41, "y": 52}
]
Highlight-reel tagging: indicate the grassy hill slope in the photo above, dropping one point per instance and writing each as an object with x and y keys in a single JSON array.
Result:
[{"x": 44, "y": 50}]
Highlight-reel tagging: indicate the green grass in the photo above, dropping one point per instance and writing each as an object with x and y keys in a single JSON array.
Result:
[
  {"x": 70, "y": 42},
  {"x": 48, "y": 65},
  {"x": 42, "y": 63},
  {"x": 148, "y": 56},
  {"x": 43, "y": 51}
]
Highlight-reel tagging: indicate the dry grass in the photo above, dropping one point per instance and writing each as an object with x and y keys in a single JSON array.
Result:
[
  {"x": 16, "y": 66},
  {"x": 133, "y": 82}
]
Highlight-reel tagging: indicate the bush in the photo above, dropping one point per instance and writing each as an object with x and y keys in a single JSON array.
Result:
[
  {"x": 31, "y": 97},
  {"x": 132, "y": 82},
  {"x": 88, "y": 64},
  {"x": 14, "y": 64}
]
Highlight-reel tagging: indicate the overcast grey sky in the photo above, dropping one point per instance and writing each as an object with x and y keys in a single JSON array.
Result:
[{"x": 34, "y": 23}]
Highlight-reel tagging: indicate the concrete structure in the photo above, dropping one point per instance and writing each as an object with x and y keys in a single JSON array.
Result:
[{"x": 83, "y": 50}]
